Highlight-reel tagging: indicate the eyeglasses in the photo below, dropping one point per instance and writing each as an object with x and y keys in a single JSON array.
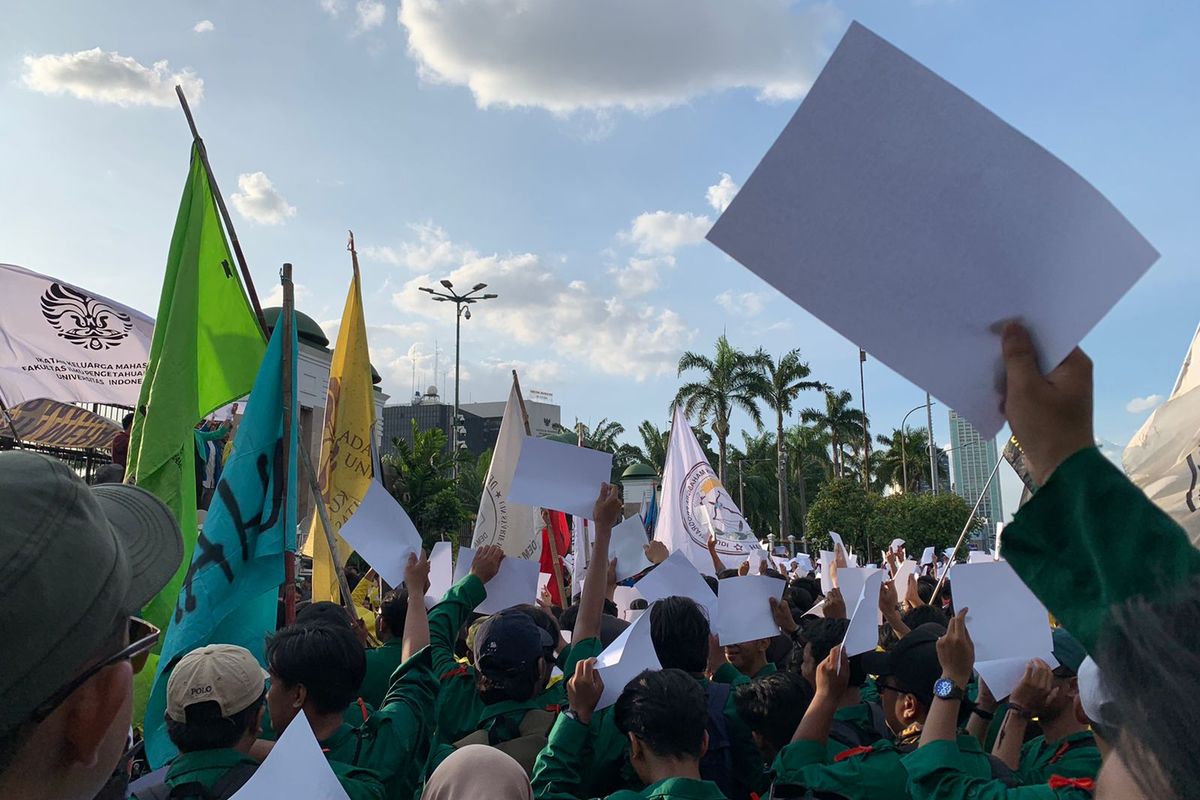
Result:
[
  {"x": 142, "y": 638},
  {"x": 888, "y": 687}
]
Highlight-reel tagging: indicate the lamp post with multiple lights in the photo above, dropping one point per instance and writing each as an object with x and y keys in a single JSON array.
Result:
[{"x": 462, "y": 308}]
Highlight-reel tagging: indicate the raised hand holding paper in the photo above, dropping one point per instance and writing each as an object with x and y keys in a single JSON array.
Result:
[
  {"x": 624, "y": 659},
  {"x": 927, "y": 556},
  {"x": 382, "y": 533},
  {"x": 515, "y": 584},
  {"x": 559, "y": 476},
  {"x": 744, "y": 609},
  {"x": 863, "y": 632},
  {"x": 891, "y": 196},
  {"x": 677, "y": 576}
]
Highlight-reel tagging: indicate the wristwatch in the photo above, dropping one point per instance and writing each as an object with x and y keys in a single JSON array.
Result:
[
  {"x": 571, "y": 714},
  {"x": 947, "y": 689}
]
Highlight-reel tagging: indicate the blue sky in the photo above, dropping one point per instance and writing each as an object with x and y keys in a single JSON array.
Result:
[{"x": 531, "y": 144}]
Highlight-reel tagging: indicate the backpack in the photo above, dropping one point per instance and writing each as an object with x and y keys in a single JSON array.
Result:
[
  {"x": 717, "y": 763},
  {"x": 224, "y": 787},
  {"x": 522, "y": 739},
  {"x": 852, "y": 735}
]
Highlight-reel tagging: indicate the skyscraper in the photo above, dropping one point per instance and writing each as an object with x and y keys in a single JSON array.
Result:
[{"x": 974, "y": 458}]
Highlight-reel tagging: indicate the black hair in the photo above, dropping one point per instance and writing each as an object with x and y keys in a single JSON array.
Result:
[
  {"x": 206, "y": 729},
  {"x": 823, "y": 635},
  {"x": 524, "y": 685},
  {"x": 773, "y": 706},
  {"x": 1155, "y": 645},
  {"x": 324, "y": 612},
  {"x": 774, "y": 573},
  {"x": 667, "y": 710},
  {"x": 713, "y": 583},
  {"x": 925, "y": 587},
  {"x": 393, "y": 609},
  {"x": 639, "y": 604},
  {"x": 327, "y": 659},
  {"x": 728, "y": 573},
  {"x": 679, "y": 630},
  {"x": 127, "y": 422},
  {"x": 798, "y": 595},
  {"x": 920, "y": 615}
]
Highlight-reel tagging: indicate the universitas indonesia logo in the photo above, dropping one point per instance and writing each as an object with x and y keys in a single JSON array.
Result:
[{"x": 83, "y": 320}]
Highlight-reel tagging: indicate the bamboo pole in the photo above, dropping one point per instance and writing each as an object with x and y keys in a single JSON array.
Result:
[{"x": 289, "y": 556}]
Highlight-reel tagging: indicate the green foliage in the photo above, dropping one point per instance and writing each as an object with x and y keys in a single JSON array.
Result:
[
  {"x": 421, "y": 481},
  {"x": 841, "y": 505},
  {"x": 921, "y": 520}
]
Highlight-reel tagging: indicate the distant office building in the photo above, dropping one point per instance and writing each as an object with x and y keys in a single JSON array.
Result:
[
  {"x": 480, "y": 421},
  {"x": 974, "y": 458}
]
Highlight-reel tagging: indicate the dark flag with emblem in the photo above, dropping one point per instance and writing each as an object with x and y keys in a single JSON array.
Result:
[
  {"x": 205, "y": 353},
  {"x": 230, "y": 590}
]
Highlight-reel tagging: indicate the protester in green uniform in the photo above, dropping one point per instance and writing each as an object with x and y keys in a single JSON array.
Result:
[
  {"x": 1066, "y": 746},
  {"x": 77, "y": 564},
  {"x": 382, "y": 661},
  {"x": 746, "y": 660},
  {"x": 772, "y": 707},
  {"x": 318, "y": 669},
  {"x": 1112, "y": 568},
  {"x": 662, "y": 714},
  {"x": 907, "y": 674},
  {"x": 936, "y": 769}
]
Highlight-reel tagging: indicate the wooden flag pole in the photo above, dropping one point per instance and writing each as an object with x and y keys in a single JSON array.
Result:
[
  {"x": 556, "y": 564},
  {"x": 289, "y": 556},
  {"x": 233, "y": 239}
]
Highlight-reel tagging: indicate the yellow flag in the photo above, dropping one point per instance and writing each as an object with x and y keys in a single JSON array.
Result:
[{"x": 345, "y": 469}]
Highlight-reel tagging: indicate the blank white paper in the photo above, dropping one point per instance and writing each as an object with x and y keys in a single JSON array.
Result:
[
  {"x": 862, "y": 635},
  {"x": 295, "y": 767},
  {"x": 914, "y": 221},
  {"x": 1004, "y": 618},
  {"x": 559, "y": 476},
  {"x": 381, "y": 532},
  {"x": 678, "y": 577},
  {"x": 515, "y": 584},
  {"x": 625, "y": 659},
  {"x": 627, "y": 546},
  {"x": 744, "y": 609},
  {"x": 827, "y": 559},
  {"x": 441, "y": 573}
]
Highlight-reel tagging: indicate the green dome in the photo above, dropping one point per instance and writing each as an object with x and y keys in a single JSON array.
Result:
[
  {"x": 635, "y": 471},
  {"x": 307, "y": 330}
]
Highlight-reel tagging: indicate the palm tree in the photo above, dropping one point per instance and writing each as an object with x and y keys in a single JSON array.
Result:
[
  {"x": 731, "y": 379},
  {"x": 654, "y": 446},
  {"x": 845, "y": 425},
  {"x": 755, "y": 476},
  {"x": 785, "y": 380},
  {"x": 807, "y": 448}
]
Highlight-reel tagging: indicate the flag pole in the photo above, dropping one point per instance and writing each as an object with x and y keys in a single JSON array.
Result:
[
  {"x": 212, "y": 182},
  {"x": 289, "y": 556},
  {"x": 550, "y": 537},
  {"x": 982, "y": 494}
]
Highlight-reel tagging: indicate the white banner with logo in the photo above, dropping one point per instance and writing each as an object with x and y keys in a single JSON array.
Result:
[
  {"x": 510, "y": 526},
  {"x": 692, "y": 499},
  {"x": 64, "y": 343}
]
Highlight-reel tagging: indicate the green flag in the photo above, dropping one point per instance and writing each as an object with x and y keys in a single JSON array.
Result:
[{"x": 206, "y": 350}]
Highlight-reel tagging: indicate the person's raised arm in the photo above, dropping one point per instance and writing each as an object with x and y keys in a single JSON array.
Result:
[
  {"x": 416, "y": 619},
  {"x": 557, "y": 772},
  {"x": 983, "y": 713},
  {"x": 833, "y": 675},
  {"x": 956, "y": 654},
  {"x": 889, "y": 604},
  {"x": 606, "y": 513},
  {"x": 718, "y": 564},
  {"x": 1033, "y": 693},
  {"x": 448, "y": 616}
]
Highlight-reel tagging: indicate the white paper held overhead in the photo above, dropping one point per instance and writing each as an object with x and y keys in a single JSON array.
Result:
[
  {"x": 441, "y": 572},
  {"x": 891, "y": 196},
  {"x": 560, "y": 476},
  {"x": 863, "y": 632},
  {"x": 624, "y": 659},
  {"x": 677, "y": 576},
  {"x": 628, "y": 547},
  {"x": 744, "y": 609},
  {"x": 295, "y": 767},
  {"x": 382, "y": 533},
  {"x": 515, "y": 584}
]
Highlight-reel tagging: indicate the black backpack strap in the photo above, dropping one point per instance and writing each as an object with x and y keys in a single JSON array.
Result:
[
  {"x": 189, "y": 790},
  {"x": 227, "y": 785},
  {"x": 157, "y": 791}
]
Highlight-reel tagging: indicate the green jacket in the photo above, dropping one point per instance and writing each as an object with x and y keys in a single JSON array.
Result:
[
  {"x": 859, "y": 717},
  {"x": 393, "y": 741},
  {"x": 557, "y": 774},
  {"x": 207, "y": 767},
  {"x": 382, "y": 663},
  {"x": 870, "y": 774},
  {"x": 1075, "y": 544},
  {"x": 606, "y": 766},
  {"x": 1074, "y": 757},
  {"x": 728, "y": 673},
  {"x": 936, "y": 772}
]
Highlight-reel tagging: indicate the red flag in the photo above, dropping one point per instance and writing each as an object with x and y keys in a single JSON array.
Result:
[{"x": 562, "y": 541}]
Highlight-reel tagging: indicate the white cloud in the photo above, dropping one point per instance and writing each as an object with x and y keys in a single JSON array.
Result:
[
  {"x": 333, "y": 7},
  {"x": 537, "y": 307},
  {"x": 203, "y": 26},
  {"x": 568, "y": 55},
  {"x": 259, "y": 201},
  {"x": 539, "y": 371},
  {"x": 666, "y": 231},
  {"x": 721, "y": 193},
  {"x": 371, "y": 14},
  {"x": 108, "y": 77},
  {"x": 641, "y": 275},
  {"x": 300, "y": 292},
  {"x": 748, "y": 304},
  {"x": 431, "y": 252},
  {"x": 1139, "y": 405}
]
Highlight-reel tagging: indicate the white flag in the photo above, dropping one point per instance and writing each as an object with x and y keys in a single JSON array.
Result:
[
  {"x": 689, "y": 485},
  {"x": 500, "y": 522},
  {"x": 1163, "y": 458},
  {"x": 61, "y": 342}
]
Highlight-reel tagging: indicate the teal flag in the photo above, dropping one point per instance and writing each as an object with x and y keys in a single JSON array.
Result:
[{"x": 229, "y": 592}]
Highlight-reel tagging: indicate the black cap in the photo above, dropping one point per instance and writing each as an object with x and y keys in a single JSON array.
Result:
[
  {"x": 509, "y": 643},
  {"x": 912, "y": 663}
]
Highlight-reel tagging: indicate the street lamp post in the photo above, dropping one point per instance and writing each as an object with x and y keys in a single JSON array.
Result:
[
  {"x": 932, "y": 460},
  {"x": 462, "y": 307},
  {"x": 904, "y": 451}
]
